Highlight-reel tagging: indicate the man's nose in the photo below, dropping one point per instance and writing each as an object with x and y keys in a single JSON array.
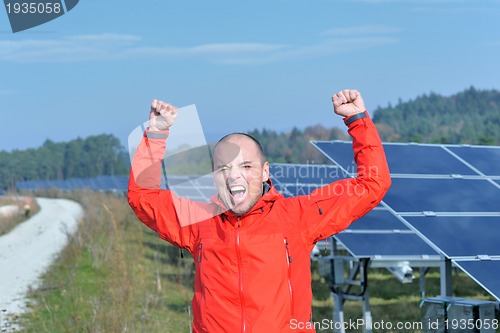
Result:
[{"x": 234, "y": 173}]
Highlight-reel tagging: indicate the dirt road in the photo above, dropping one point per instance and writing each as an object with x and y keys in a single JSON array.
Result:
[{"x": 29, "y": 249}]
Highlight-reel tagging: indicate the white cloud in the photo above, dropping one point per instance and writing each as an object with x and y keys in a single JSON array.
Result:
[
  {"x": 115, "y": 46},
  {"x": 106, "y": 37},
  {"x": 373, "y": 29},
  {"x": 326, "y": 48},
  {"x": 105, "y": 47}
]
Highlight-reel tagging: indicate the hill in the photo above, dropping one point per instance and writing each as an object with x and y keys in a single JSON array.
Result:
[{"x": 469, "y": 117}]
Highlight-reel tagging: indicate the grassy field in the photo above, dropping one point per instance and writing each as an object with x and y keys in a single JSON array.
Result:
[
  {"x": 117, "y": 276},
  {"x": 7, "y": 223}
]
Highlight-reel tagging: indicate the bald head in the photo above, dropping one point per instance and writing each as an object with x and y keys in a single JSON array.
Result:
[{"x": 231, "y": 144}]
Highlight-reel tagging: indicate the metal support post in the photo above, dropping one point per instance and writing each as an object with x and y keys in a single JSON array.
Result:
[{"x": 445, "y": 278}]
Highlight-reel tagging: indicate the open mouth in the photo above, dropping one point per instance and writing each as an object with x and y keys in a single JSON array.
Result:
[{"x": 238, "y": 193}]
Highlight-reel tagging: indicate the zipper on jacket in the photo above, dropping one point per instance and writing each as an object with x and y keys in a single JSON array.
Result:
[
  {"x": 199, "y": 252},
  {"x": 200, "y": 281},
  {"x": 240, "y": 276},
  {"x": 288, "y": 262},
  {"x": 319, "y": 209}
]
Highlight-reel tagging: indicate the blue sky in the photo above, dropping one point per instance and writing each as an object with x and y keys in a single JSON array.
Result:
[{"x": 245, "y": 65}]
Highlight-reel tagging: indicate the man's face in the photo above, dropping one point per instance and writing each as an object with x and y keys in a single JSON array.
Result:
[{"x": 239, "y": 173}]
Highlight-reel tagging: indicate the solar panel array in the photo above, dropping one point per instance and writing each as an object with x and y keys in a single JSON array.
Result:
[
  {"x": 101, "y": 183},
  {"x": 195, "y": 188},
  {"x": 379, "y": 235},
  {"x": 447, "y": 194},
  {"x": 444, "y": 200}
]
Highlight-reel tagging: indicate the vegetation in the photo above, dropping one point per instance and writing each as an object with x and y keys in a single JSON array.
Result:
[
  {"x": 8, "y": 222},
  {"x": 471, "y": 117},
  {"x": 294, "y": 146},
  {"x": 118, "y": 276},
  {"x": 90, "y": 157},
  {"x": 114, "y": 276}
]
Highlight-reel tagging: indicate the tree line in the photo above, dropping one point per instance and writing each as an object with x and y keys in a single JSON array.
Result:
[
  {"x": 471, "y": 116},
  {"x": 79, "y": 158},
  {"x": 468, "y": 117},
  {"x": 294, "y": 146}
]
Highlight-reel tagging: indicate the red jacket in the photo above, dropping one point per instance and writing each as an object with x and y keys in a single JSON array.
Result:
[{"x": 253, "y": 272}]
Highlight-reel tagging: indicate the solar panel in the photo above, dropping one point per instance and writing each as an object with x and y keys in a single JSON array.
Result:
[
  {"x": 391, "y": 244},
  {"x": 340, "y": 149},
  {"x": 205, "y": 181},
  {"x": 423, "y": 159},
  {"x": 402, "y": 158},
  {"x": 101, "y": 183},
  {"x": 302, "y": 179},
  {"x": 448, "y": 194},
  {"x": 188, "y": 191},
  {"x": 461, "y": 235},
  {"x": 208, "y": 192},
  {"x": 379, "y": 219},
  {"x": 484, "y": 272},
  {"x": 121, "y": 183},
  {"x": 485, "y": 159},
  {"x": 305, "y": 173},
  {"x": 443, "y": 195},
  {"x": 302, "y": 189},
  {"x": 379, "y": 234}
]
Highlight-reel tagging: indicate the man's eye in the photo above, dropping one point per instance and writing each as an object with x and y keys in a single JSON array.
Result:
[{"x": 247, "y": 166}]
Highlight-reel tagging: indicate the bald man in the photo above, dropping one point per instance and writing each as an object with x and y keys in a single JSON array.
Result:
[{"x": 251, "y": 246}]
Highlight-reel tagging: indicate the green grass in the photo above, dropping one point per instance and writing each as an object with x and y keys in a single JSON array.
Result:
[
  {"x": 392, "y": 301},
  {"x": 117, "y": 276},
  {"x": 7, "y": 223},
  {"x": 114, "y": 276}
]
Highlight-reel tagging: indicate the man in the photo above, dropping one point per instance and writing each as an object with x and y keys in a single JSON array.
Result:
[{"x": 251, "y": 245}]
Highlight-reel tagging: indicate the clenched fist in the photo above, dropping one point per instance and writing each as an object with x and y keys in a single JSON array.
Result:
[
  {"x": 348, "y": 102},
  {"x": 161, "y": 116}
]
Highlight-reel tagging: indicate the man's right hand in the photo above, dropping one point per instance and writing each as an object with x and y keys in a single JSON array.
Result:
[
  {"x": 161, "y": 116},
  {"x": 348, "y": 102}
]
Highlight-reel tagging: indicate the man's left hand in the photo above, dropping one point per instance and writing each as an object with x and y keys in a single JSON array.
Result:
[{"x": 348, "y": 102}]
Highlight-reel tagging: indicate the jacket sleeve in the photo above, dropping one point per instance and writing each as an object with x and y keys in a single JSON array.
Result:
[
  {"x": 332, "y": 208},
  {"x": 174, "y": 219}
]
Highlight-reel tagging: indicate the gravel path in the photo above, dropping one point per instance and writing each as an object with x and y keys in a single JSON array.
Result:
[{"x": 29, "y": 249}]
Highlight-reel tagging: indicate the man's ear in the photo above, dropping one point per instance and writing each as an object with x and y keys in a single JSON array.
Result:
[{"x": 265, "y": 172}]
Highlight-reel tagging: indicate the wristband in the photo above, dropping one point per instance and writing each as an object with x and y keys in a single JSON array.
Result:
[
  {"x": 155, "y": 135},
  {"x": 355, "y": 117}
]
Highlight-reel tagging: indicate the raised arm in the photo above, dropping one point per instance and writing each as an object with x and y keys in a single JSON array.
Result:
[
  {"x": 173, "y": 218},
  {"x": 332, "y": 208}
]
